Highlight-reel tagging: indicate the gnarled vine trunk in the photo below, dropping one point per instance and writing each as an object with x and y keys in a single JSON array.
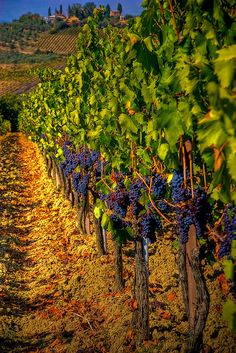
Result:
[
  {"x": 118, "y": 264},
  {"x": 195, "y": 294},
  {"x": 140, "y": 319},
  {"x": 99, "y": 236}
]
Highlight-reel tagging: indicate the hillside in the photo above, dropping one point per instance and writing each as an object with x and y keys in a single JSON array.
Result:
[
  {"x": 62, "y": 42},
  {"x": 22, "y": 35},
  {"x": 17, "y": 76}
]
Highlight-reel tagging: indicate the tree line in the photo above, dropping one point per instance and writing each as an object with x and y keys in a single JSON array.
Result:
[{"x": 84, "y": 11}]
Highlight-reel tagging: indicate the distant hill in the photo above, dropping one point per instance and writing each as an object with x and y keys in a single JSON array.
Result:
[{"x": 22, "y": 35}]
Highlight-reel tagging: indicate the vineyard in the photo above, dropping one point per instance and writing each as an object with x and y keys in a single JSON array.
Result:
[
  {"x": 63, "y": 42},
  {"x": 21, "y": 77},
  {"x": 15, "y": 87},
  {"x": 138, "y": 134}
]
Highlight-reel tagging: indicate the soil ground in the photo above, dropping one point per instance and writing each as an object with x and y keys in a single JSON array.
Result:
[{"x": 57, "y": 295}]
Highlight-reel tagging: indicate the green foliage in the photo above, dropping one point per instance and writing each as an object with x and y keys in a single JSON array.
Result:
[
  {"x": 168, "y": 73},
  {"x": 229, "y": 308},
  {"x": 10, "y": 106},
  {"x": 5, "y": 126},
  {"x": 229, "y": 314}
]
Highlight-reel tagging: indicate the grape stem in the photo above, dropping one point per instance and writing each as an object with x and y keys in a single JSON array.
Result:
[
  {"x": 103, "y": 181},
  {"x": 184, "y": 161},
  {"x": 214, "y": 234},
  {"x": 204, "y": 176},
  {"x": 174, "y": 19},
  {"x": 162, "y": 11},
  {"x": 150, "y": 198}
]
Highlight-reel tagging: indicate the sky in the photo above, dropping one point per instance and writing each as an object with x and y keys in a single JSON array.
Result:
[{"x": 13, "y": 9}]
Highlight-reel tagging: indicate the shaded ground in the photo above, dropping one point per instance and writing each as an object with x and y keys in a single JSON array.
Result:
[{"x": 57, "y": 296}]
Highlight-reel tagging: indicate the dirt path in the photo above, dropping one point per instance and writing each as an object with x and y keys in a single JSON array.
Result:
[{"x": 38, "y": 269}]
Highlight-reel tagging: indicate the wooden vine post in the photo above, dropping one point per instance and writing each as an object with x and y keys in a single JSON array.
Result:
[
  {"x": 140, "y": 319},
  {"x": 118, "y": 263},
  {"x": 194, "y": 290}
]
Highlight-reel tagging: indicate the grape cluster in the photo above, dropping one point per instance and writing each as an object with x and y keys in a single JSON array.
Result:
[
  {"x": 230, "y": 230},
  {"x": 119, "y": 223},
  {"x": 134, "y": 195},
  {"x": 70, "y": 163},
  {"x": 129, "y": 196},
  {"x": 86, "y": 160},
  {"x": 149, "y": 224},
  {"x": 179, "y": 193},
  {"x": 80, "y": 183},
  {"x": 65, "y": 148},
  {"x": 158, "y": 186},
  {"x": 163, "y": 206},
  {"x": 117, "y": 201},
  {"x": 189, "y": 211}
]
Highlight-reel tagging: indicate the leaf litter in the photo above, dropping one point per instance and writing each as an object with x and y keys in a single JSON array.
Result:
[{"x": 58, "y": 296}]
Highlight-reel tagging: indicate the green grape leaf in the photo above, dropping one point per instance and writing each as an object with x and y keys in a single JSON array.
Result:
[
  {"x": 228, "y": 269},
  {"x": 148, "y": 43},
  {"x": 163, "y": 150},
  {"x": 128, "y": 123},
  {"x": 227, "y": 53},
  {"x": 105, "y": 220},
  {"x": 229, "y": 314},
  {"x": 225, "y": 72},
  {"x": 97, "y": 212}
]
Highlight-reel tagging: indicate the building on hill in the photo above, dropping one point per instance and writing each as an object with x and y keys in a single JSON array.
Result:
[
  {"x": 115, "y": 13},
  {"x": 60, "y": 17},
  {"x": 73, "y": 20},
  {"x": 52, "y": 18},
  {"x": 57, "y": 16}
]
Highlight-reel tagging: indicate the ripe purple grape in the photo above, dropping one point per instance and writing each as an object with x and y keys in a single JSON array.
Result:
[{"x": 229, "y": 221}]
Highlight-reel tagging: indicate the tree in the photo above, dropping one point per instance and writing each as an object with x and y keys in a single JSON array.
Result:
[
  {"x": 128, "y": 16},
  {"x": 107, "y": 11},
  {"x": 119, "y": 7},
  {"x": 69, "y": 11},
  {"x": 49, "y": 11},
  {"x": 88, "y": 8},
  {"x": 60, "y": 11},
  {"x": 78, "y": 11}
]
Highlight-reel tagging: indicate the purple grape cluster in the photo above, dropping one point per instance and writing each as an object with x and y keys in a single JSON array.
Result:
[
  {"x": 86, "y": 160},
  {"x": 129, "y": 195},
  {"x": 119, "y": 223},
  {"x": 80, "y": 183},
  {"x": 70, "y": 164},
  {"x": 179, "y": 193},
  {"x": 163, "y": 206},
  {"x": 230, "y": 230},
  {"x": 158, "y": 186},
  {"x": 189, "y": 211},
  {"x": 134, "y": 195},
  {"x": 149, "y": 224},
  {"x": 117, "y": 201}
]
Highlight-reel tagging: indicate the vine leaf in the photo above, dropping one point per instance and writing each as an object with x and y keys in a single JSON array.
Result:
[
  {"x": 218, "y": 159},
  {"x": 128, "y": 123},
  {"x": 229, "y": 312}
]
